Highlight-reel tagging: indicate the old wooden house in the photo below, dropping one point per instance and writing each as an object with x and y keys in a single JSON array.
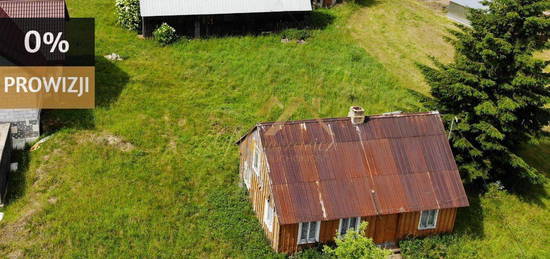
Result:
[{"x": 310, "y": 181}]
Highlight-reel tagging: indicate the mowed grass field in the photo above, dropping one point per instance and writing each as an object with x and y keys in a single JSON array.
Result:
[{"x": 153, "y": 171}]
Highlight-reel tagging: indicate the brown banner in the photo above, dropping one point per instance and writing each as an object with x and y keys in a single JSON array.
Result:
[{"x": 47, "y": 87}]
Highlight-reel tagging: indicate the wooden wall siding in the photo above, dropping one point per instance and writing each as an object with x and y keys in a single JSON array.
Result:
[
  {"x": 328, "y": 230},
  {"x": 260, "y": 188},
  {"x": 408, "y": 224},
  {"x": 288, "y": 241},
  {"x": 382, "y": 229}
]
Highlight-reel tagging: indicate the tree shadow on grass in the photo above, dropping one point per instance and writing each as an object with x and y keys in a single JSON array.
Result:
[
  {"x": 536, "y": 155},
  {"x": 110, "y": 81},
  {"x": 367, "y": 3},
  {"x": 469, "y": 221},
  {"x": 318, "y": 20}
]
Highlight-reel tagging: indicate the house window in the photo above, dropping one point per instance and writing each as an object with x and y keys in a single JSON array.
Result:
[
  {"x": 247, "y": 175},
  {"x": 256, "y": 161},
  {"x": 428, "y": 219},
  {"x": 347, "y": 224},
  {"x": 269, "y": 213},
  {"x": 308, "y": 232}
]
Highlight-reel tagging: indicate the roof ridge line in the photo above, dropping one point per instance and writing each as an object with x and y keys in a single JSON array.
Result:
[{"x": 375, "y": 116}]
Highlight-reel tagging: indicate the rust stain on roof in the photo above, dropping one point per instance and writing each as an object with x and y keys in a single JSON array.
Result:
[{"x": 331, "y": 169}]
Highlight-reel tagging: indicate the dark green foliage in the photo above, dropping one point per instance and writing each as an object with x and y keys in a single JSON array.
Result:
[
  {"x": 295, "y": 34},
  {"x": 437, "y": 247},
  {"x": 128, "y": 14},
  {"x": 312, "y": 253},
  {"x": 356, "y": 245},
  {"x": 165, "y": 34},
  {"x": 495, "y": 89}
]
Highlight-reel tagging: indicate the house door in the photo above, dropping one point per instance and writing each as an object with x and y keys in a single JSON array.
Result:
[{"x": 386, "y": 228}]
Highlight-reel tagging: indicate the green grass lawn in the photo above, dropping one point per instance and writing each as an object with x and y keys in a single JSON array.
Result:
[
  {"x": 153, "y": 171},
  {"x": 401, "y": 33}
]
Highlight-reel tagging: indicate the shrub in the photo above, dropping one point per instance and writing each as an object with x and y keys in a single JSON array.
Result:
[
  {"x": 311, "y": 253},
  {"x": 295, "y": 34},
  {"x": 356, "y": 245},
  {"x": 165, "y": 34},
  {"x": 128, "y": 14},
  {"x": 436, "y": 247}
]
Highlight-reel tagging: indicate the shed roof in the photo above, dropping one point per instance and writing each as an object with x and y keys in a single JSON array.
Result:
[
  {"x": 151, "y": 8},
  {"x": 474, "y": 4},
  {"x": 33, "y": 9},
  {"x": 330, "y": 169}
]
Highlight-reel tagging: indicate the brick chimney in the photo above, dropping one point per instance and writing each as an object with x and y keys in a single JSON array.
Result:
[{"x": 357, "y": 115}]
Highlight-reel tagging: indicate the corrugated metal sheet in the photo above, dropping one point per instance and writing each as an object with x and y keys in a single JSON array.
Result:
[
  {"x": 474, "y": 4},
  {"x": 151, "y": 8},
  {"x": 33, "y": 9},
  {"x": 330, "y": 169}
]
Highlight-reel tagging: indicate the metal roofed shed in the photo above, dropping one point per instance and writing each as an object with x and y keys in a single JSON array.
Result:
[
  {"x": 5, "y": 159},
  {"x": 389, "y": 170},
  {"x": 458, "y": 9},
  {"x": 202, "y": 13},
  {"x": 25, "y": 123}
]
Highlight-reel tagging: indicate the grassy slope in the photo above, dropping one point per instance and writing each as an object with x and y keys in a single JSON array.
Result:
[
  {"x": 400, "y": 33},
  {"x": 153, "y": 171}
]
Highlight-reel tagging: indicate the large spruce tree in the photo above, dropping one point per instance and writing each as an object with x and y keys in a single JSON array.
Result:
[{"x": 494, "y": 93}]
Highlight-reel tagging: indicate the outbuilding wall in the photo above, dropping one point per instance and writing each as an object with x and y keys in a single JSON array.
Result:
[
  {"x": 5, "y": 159},
  {"x": 458, "y": 13},
  {"x": 25, "y": 125},
  {"x": 224, "y": 24},
  {"x": 260, "y": 189},
  {"x": 382, "y": 229}
]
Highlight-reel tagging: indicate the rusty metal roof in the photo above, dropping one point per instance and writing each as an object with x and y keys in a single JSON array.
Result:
[
  {"x": 33, "y": 9},
  {"x": 330, "y": 169}
]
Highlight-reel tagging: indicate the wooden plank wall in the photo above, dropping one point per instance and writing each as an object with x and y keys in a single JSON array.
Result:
[
  {"x": 408, "y": 224},
  {"x": 260, "y": 188},
  {"x": 387, "y": 228}
]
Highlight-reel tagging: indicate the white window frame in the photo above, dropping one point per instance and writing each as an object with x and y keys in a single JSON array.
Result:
[
  {"x": 269, "y": 215},
  {"x": 309, "y": 240},
  {"x": 247, "y": 175},
  {"x": 436, "y": 215},
  {"x": 356, "y": 227},
  {"x": 256, "y": 167}
]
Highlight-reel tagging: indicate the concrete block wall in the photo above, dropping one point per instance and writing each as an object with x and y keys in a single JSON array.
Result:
[{"x": 25, "y": 125}]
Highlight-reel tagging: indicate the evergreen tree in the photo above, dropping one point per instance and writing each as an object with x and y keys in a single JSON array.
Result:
[{"x": 494, "y": 92}]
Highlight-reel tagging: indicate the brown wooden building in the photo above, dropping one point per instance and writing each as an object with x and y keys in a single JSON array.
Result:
[{"x": 312, "y": 180}]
